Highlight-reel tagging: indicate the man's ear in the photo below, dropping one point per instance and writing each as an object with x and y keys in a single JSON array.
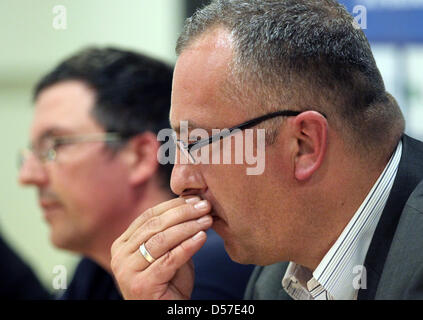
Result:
[
  {"x": 311, "y": 131},
  {"x": 141, "y": 156}
]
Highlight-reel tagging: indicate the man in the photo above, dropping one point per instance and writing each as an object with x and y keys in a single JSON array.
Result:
[
  {"x": 94, "y": 162},
  {"x": 338, "y": 169}
]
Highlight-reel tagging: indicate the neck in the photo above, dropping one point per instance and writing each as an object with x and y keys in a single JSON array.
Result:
[{"x": 331, "y": 206}]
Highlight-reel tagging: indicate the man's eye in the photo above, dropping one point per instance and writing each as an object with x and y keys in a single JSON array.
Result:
[
  {"x": 57, "y": 144},
  {"x": 44, "y": 145}
]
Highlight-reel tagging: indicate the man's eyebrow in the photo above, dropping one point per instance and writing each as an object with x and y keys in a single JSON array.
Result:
[
  {"x": 191, "y": 125},
  {"x": 51, "y": 132}
]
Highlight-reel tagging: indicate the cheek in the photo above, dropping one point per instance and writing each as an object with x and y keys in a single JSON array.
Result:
[
  {"x": 89, "y": 188},
  {"x": 233, "y": 190},
  {"x": 225, "y": 180},
  {"x": 244, "y": 198}
]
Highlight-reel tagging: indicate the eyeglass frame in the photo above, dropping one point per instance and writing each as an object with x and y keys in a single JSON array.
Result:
[
  {"x": 50, "y": 154},
  {"x": 189, "y": 147}
]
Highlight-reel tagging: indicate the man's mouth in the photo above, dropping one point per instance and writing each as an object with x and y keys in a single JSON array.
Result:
[
  {"x": 48, "y": 204},
  {"x": 47, "y": 199}
]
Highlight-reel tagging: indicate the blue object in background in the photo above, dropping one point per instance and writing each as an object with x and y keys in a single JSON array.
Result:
[{"x": 393, "y": 21}]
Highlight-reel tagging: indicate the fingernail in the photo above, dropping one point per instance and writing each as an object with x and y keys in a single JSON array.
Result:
[
  {"x": 192, "y": 200},
  {"x": 205, "y": 220},
  {"x": 201, "y": 205},
  {"x": 200, "y": 235}
]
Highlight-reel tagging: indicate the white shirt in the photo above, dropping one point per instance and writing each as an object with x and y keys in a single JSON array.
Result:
[{"x": 341, "y": 272}]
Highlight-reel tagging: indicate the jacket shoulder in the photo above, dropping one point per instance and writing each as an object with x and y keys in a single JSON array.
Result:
[{"x": 266, "y": 283}]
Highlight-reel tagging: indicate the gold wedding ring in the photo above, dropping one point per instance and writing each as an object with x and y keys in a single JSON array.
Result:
[{"x": 146, "y": 254}]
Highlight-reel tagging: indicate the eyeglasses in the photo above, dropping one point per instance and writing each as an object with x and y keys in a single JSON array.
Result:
[
  {"x": 187, "y": 148},
  {"x": 50, "y": 148}
]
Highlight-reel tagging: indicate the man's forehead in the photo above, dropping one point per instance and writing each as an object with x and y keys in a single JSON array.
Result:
[
  {"x": 217, "y": 38},
  {"x": 201, "y": 72},
  {"x": 212, "y": 52},
  {"x": 63, "y": 91},
  {"x": 65, "y": 106}
]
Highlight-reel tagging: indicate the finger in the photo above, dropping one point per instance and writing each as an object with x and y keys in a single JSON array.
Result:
[
  {"x": 177, "y": 234},
  {"x": 146, "y": 286},
  {"x": 162, "y": 271},
  {"x": 167, "y": 220},
  {"x": 121, "y": 248},
  {"x": 152, "y": 212},
  {"x": 181, "y": 283},
  {"x": 168, "y": 239},
  {"x": 118, "y": 244}
]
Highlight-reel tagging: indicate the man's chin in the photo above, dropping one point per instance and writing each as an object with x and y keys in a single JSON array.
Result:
[
  {"x": 234, "y": 252},
  {"x": 231, "y": 248},
  {"x": 64, "y": 241},
  {"x": 58, "y": 241},
  {"x": 61, "y": 236}
]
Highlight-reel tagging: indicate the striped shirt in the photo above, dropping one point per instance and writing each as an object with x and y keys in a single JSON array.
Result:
[{"x": 341, "y": 272}]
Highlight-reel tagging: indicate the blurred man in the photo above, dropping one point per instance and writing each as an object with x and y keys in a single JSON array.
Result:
[
  {"x": 94, "y": 162},
  {"x": 338, "y": 168}
]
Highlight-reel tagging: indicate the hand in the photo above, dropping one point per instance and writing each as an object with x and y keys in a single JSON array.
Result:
[{"x": 173, "y": 232}]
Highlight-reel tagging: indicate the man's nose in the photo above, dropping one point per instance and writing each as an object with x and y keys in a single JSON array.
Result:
[
  {"x": 32, "y": 172},
  {"x": 186, "y": 179}
]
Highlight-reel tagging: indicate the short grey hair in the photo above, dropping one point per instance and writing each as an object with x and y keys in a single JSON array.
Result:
[{"x": 305, "y": 54}]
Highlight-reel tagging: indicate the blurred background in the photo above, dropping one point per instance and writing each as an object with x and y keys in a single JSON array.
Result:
[{"x": 34, "y": 41}]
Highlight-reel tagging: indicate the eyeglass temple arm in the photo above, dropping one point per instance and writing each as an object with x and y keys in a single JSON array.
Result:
[
  {"x": 245, "y": 125},
  {"x": 108, "y": 137}
]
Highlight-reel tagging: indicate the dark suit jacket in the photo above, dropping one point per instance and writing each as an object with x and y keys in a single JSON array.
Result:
[
  {"x": 17, "y": 280},
  {"x": 394, "y": 261}
]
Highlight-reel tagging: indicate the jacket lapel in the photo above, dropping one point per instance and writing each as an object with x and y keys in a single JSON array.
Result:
[
  {"x": 402, "y": 275},
  {"x": 410, "y": 173}
]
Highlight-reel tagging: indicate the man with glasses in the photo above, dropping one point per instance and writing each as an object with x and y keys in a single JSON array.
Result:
[
  {"x": 93, "y": 158},
  {"x": 322, "y": 216}
]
